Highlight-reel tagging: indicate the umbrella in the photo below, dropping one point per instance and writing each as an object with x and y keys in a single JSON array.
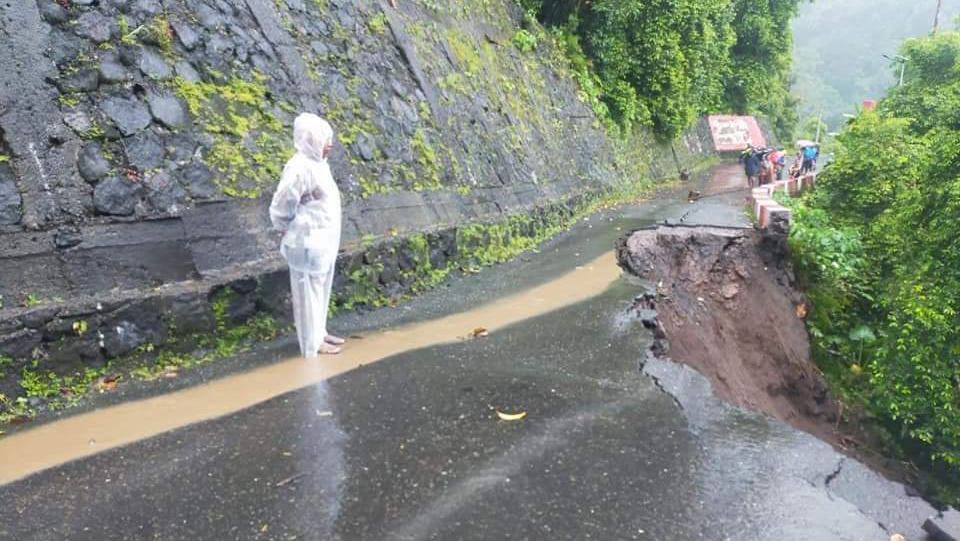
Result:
[{"x": 803, "y": 143}]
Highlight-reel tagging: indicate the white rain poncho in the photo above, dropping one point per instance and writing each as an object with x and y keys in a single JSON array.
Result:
[{"x": 306, "y": 207}]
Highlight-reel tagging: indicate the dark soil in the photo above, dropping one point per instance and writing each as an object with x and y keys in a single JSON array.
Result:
[
  {"x": 726, "y": 310},
  {"x": 725, "y": 303}
]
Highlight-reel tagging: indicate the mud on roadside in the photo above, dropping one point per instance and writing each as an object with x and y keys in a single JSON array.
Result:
[
  {"x": 725, "y": 303},
  {"x": 732, "y": 316}
]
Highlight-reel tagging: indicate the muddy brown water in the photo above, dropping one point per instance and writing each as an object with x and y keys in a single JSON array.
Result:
[{"x": 50, "y": 445}]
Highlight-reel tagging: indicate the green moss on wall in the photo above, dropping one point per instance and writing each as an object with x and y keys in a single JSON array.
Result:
[
  {"x": 249, "y": 144},
  {"x": 42, "y": 388},
  {"x": 479, "y": 245},
  {"x": 429, "y": 162}
]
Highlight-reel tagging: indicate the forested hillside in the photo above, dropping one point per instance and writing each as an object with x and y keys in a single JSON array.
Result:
[
  {"x": 662, "y": 63},
  {"x": 878, "y": 245},
  {"x": 839, "y": 48}
]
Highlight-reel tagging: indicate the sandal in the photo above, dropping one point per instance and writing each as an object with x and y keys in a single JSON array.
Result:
[
  {"x": 334, "y": 340},
  {"x": 329, "y": 349}
]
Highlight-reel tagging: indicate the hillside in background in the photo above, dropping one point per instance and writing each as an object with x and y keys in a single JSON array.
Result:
[{"x": 839, "y": 47}]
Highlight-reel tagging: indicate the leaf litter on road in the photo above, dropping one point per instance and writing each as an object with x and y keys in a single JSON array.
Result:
[
  {"x": 511, "y": 416},
  {"x": 479, "y": 332}
]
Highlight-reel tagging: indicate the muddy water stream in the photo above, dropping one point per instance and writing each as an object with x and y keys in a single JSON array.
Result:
[{"x": 84, "y": 435}]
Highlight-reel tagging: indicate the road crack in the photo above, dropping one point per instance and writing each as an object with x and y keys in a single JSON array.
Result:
[{"x": 836, "y": 472}]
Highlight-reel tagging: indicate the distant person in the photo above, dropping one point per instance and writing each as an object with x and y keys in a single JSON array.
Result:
[
  {"x": 809, "y": 159},
  {"x": 797, "y": 166},
  {"x": 752, "y": 168},
  {"x": 306, "y": 210},
  {"x": 766, "y": 167},
  {"x": 779, "y": 160}
]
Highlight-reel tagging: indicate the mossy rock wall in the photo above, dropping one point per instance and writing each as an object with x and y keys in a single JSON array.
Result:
[{"x": 140, "y": 141}]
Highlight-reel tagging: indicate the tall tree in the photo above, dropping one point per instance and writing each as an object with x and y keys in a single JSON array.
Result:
[
  {"x": 762, "y": 59},
  {"x": 663, "y": 62}
]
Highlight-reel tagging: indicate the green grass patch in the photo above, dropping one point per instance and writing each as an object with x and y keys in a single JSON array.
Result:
[{"x": 378, "y": 24}]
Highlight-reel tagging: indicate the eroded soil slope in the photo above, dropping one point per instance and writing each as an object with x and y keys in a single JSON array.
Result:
[{"x": 725, "y": 306}]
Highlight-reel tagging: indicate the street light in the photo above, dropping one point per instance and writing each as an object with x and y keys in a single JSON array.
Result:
[{"x": 903, "y": 65}]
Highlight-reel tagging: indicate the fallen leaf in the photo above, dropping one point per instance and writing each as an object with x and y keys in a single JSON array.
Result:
[
  {"x": 479, "y": 332},
  {"x": 511, "y": 416},
  {"x": 107, "y": 383},
  {"x": 289, "y": 480}
]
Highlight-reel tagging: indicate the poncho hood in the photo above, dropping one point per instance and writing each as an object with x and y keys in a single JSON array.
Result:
[{"x": 310, "y": 135}]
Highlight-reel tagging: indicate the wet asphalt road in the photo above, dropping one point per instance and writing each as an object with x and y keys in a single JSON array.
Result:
[{"x": 410, "y": 448}]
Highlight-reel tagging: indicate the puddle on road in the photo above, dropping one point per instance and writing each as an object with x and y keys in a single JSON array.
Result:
[{"x": 76, "y": 437}]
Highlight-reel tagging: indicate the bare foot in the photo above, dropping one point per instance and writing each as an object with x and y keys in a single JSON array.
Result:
[
  {"x": 334, "y": 340},
  {"x": 329, "y": 349}
]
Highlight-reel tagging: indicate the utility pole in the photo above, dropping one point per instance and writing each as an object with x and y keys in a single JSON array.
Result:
[
  {"x": 903, "y": 64},
  {"x": 936, "y": 19},
  {"x": 819, "y": 122}
]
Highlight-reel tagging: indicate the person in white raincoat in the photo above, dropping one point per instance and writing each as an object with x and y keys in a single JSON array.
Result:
[{"x": 306, "y": 209}]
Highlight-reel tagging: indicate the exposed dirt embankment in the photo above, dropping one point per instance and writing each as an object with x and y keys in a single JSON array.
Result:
[{"x": 726, "y": 307}]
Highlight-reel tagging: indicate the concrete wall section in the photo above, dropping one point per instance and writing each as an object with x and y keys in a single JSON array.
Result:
[{"x": 765, "y": 208}]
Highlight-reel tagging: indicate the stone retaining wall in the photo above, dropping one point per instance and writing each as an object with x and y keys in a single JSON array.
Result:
[
  {"x": 140, "y": 140},
  {"x": 65, "y": 337}
]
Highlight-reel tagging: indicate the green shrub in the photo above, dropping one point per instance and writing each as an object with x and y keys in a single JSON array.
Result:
[
  {"x": 525, "y": 41},
  {"x": 878, "y": 247}
]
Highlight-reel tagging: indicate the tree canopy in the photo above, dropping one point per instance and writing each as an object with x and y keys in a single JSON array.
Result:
[{"x": 661, "y": 63}]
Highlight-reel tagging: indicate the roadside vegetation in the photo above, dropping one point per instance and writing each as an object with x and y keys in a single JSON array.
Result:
[
  {"x": 877, "y": 246},
  {"x": 662, "y": 64}
]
